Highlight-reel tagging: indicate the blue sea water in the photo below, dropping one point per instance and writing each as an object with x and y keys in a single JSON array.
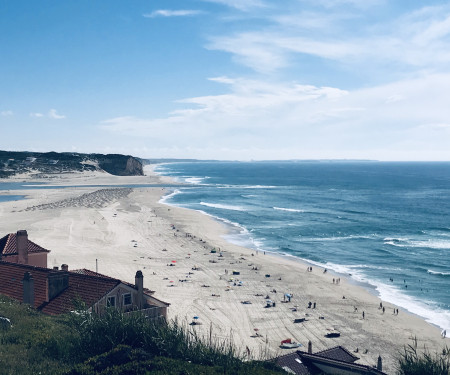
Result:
[{"x": 373, "y": 221}]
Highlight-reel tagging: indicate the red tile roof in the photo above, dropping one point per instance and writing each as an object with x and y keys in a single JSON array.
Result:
[
  {"x": 88, "y": 289},
  {"x": 11, "y": 276},
  {"x": 8, "y": 245},
  {"x": 84, "y": 271},
  {"x": 84, "y": 288}
]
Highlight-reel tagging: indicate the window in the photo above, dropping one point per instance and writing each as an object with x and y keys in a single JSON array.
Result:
[
  {"x": 111, "y": 302},
  {"x": 127, "y": 299}
]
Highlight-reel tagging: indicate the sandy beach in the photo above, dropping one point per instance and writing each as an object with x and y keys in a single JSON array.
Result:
[{"x": 188, "y": 263}]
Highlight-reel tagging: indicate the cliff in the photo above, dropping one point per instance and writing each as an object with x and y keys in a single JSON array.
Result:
[{"x": 13, "y": 162}]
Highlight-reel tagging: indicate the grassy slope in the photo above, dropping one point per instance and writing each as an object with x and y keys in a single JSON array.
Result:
[{"x": 113, "y": 344}]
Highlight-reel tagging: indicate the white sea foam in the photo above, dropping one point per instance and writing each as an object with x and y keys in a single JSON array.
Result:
[
  {"x": 165, "y": 198},
  {"x": 223, "y": 206},
  {"x": 438, "y": 273},
  {"x": 245, "y": 187},
  {"x": 428, "y": 310},
  {"x": 337, "y": 238},
  {"x": 195, "y": 180},
  {"x": 287, "y": 209},
  {"x": 239, "y": 235},
  {"x": 406, "y": 242}
]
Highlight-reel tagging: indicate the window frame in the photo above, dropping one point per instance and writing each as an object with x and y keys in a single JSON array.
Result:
[
  {"x": 111, "y": 301},
  {"x": 125, "y": 295}
]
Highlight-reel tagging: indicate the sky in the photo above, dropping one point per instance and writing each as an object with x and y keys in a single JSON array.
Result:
[{"x": 227, "y": 79}]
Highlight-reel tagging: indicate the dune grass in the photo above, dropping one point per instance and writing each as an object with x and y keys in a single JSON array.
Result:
[
  {"x": 114, "y": 343},
  {"x": 412, "y": 361}
]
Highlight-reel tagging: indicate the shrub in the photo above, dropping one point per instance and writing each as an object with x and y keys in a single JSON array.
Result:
[{"x": 413, "y": 362}]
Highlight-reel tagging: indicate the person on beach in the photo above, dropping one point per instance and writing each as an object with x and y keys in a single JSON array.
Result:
[{"x": 363, "y": 315}]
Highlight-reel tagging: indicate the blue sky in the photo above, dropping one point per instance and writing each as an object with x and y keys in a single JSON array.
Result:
[{"x": 227, "y": 79}]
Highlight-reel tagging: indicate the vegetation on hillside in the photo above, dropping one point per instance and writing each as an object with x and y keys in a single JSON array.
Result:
[
  {"x": 13, "y": 162},
  {"x": 414, "y": 362},
  {"x": 84, "y": 344}
]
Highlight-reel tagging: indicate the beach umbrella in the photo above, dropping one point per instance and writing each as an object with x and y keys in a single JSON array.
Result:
[
  {"x": 174, "y": 261},
  {"x": 195, "y": 317}
]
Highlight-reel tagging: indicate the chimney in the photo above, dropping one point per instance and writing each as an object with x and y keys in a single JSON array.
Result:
[
  {"x": 57, "y": 281},
  {"x": 139, "y": 284},
  {"x": 65, "y": 267},
  {"x": 28, "y": 289},
  {"x": 379, "y": 364},
  {"x": 22, "y": 246},
  {"x": 309, "y": 347}
]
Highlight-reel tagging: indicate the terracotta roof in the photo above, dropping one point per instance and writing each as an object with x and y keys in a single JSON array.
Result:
[
  {"x": 85, "y": 271},
  {"x": 11, "y": 276},
  {"x": 85, "y": 288},
  {"x": 83, "y": 285},
  {"x": 8, "y": 245},
  {"x": 88, "y": 289}
]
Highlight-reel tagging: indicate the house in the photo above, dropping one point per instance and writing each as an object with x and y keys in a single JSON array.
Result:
[
  {"x": 337, "y": 360},
  {"x": 17, "y": 248},
  {"x": 57, "y": 291}
]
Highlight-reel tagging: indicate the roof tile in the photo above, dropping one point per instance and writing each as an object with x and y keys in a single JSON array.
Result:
[{"x": 8, "y": 245}]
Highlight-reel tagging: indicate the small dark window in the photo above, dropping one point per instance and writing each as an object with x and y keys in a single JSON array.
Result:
[
  {"x": 111, "y": 302},
  {"x": 127, "y": 299}
]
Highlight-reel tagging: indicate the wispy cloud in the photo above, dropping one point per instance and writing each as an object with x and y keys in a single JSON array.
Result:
[
  {"x": 290, "y": 120},
  {"x": 53, "y": 114},
  {"x": 6, "y": 113},
  {"x": 173, "y": 13},
  {"x": 243, "y": 5},
  {"x": 419, "y": 39}
]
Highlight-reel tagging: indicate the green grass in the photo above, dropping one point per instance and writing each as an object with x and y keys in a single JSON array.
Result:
[
  {"x": 417, "y": 362},
  {"x": 84, "y": 344}
]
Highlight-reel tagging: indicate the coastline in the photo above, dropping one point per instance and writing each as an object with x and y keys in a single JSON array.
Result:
[{"x": 77, "y": 235}]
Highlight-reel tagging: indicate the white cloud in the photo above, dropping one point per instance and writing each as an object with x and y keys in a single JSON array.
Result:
[
  {"x": 243, "y": 5},
  {"x": 6, "y": 113},
  {"x": 417, "y": 40},
  {"x": 52, "y": 113},
  {"x": 173, "y": 13},
  {"x": 404, "y": 120}
]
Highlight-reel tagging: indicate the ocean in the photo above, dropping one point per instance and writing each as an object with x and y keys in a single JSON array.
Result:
[{"x": 385, "y": 225}]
